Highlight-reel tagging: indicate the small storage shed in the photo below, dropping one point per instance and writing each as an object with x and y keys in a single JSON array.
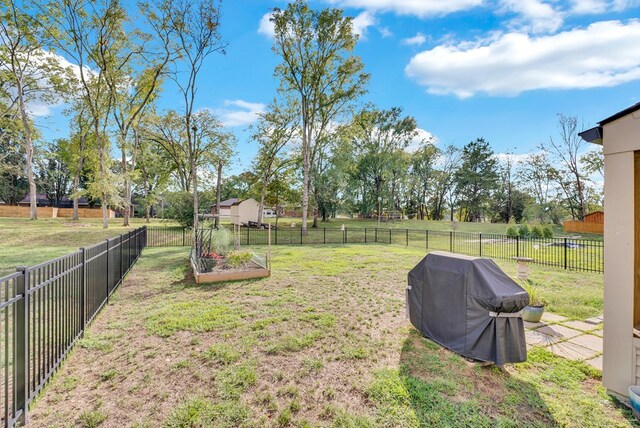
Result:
[
  {"x": 469, "y": 305},
  {"x": 620, "y": 137},
  {"x": 244, "y": 211},
  {"x": 225, "y": 208}
]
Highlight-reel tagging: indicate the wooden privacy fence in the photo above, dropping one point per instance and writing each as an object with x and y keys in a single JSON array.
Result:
[
  {"x": 44, "y": 310},
  {"x": 52, "y": 212},
  {"x": 574, "y": 226}
]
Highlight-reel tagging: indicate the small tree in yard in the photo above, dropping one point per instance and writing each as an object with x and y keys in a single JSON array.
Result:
[{"x": 318, "y": 66}]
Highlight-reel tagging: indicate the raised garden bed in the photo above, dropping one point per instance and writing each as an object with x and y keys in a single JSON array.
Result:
[{"x": 217, "y": 269}]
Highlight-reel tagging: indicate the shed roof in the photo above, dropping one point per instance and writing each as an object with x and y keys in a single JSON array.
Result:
[{"x": 227, "y": 202}]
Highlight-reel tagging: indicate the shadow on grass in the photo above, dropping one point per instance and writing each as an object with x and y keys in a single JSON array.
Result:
[{"x": 443, "y": 389}]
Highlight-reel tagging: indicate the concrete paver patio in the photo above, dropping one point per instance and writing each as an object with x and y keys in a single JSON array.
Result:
[{"x": 576, "y": 340}]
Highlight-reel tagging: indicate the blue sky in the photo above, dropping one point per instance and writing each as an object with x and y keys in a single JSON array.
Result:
[{"x": 497, "y": 69}]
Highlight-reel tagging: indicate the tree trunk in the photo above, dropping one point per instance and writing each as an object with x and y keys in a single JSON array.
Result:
[
  {"x": 262, "y": 196},
  {"x": 76, "y": 184},
  {"x": 218, "y": 191},
  {"x": 194, "y": 179},
  {"x": 28, "y": 147},
  {"x": 306, "y": 165},
  {"x": 105, "y": 213},
  {"x": 127, "y": 189}
]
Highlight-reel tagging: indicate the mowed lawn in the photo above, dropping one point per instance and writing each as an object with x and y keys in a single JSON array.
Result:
[
  {"x": 323, "y": 342},
  {"x": 24, "y": 242}
]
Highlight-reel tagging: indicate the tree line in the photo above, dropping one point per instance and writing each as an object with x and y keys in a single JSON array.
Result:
[{"x": 321, "y": 149}]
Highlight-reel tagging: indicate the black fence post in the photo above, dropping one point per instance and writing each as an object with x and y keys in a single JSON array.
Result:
[
  {"x": 565, "y": 253},
  {"x": 120, "y": 263},
  {"x": 389, "y": 235},
  {"x": 184, "y": 230},
  {"x": 300, "y": 235},
  {"x": 407, "y": 236},
  {"x": 21, "y": 351},
  {"x": 451, "y": 241},
  {"x": 365, "y": 235},
  {"x": 480, "y": 244},
  {"x": 376, "y": 235},
  {"x": 344, "y": 236},
  {"x": 517, "y": 246},
  {"x": 426, "y": 239},
  {"x": 324, "y": 235},
  {"x": 83, "y": 287},
  {"x": 108, "y": 268},
  {"x": 276, "y": 236}
]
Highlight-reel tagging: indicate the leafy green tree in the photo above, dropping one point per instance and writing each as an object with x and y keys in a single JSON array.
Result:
[
  {"x": 53, "y": 177},
  {"x": 423, "y": 174},
  {"x": 142, "y": 60},
  {"x": 31, "y": 73},
  {"x": 13, "y": 180},
  {"x": 378, "y": 138},
  {"x": 196, "y": 24},
  {"x": 318, "y": 66},
  {"x": 476, "y": 179},
  {"x": 275, "y": 129}
]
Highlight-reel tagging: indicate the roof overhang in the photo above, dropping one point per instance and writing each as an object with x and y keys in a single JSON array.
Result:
[{"x": 593, "y": 135}]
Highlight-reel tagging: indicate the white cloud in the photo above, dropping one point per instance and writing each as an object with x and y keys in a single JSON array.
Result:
[
  {"x": 266, "y": 27},
  {"x": 416, "y": 40},
  {"x": 421, "y": 135},
  {"x": 588, "y": 7},
  {"x": 534, "y": 15},
  {"x": 239, "y": 112},
  {"x": 385, "y": 32},
  {"x": 419, "y": 8},
  {"x": 362, "y": 22},
  {"x": 601, "y": 55}
]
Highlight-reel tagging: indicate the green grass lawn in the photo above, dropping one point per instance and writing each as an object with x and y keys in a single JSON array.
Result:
[
  {"x": 24, "y": 242},
  {"x": 437, "y": 225},
  {"x": 322, "y": 342}
]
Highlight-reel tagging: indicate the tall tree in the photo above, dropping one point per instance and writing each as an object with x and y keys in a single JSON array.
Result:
[
  {"x": 378, "y": 137},
  {"x": 197, "y": 28},
  {"x": 275, "y": 129},
  {"x": 476, "y": 179},
  {"x": 53, "y": 174},
  {"x": 91, "y": 37},
  {"x": 142, "y": 61},
  {"x": 31, "y": 72},
  {"x": 565, "y": 153},
  {"x": 423, "y": 173},
  {"x": 318, "y": 65}
]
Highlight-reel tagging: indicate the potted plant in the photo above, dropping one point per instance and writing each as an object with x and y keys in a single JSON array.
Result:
[{"x": 533, "y": 312}]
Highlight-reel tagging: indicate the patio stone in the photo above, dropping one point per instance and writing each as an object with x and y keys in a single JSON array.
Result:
[
  {"x": 588, "y": 341},
  {"x": 595, "y": 320},
  {"x": 595, "y": 362},
  {"x": 558, "y": 330},
  {"x": 572, "y": 351},
  {"x": 579, "y": 325},
  {"x": 534, "y": 337},
  {"x": 596, "y": 332},
  {"x": 549, "y": 317},
  {"x": 533, "y": 325}
]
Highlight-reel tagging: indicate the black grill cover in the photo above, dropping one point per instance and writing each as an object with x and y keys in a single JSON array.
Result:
[{"x": 469, "y": 305}]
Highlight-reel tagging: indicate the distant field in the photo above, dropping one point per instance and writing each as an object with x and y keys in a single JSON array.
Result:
[{"x": 25, "y": 242}]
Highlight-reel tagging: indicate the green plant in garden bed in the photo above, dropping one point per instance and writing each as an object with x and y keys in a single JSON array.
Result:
[{"x": 238, "y": 258}]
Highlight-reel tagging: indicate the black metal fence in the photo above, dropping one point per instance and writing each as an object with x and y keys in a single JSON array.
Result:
[
  {"x": 44, "y": 310},
  {"x": 567, "y": 253}
]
